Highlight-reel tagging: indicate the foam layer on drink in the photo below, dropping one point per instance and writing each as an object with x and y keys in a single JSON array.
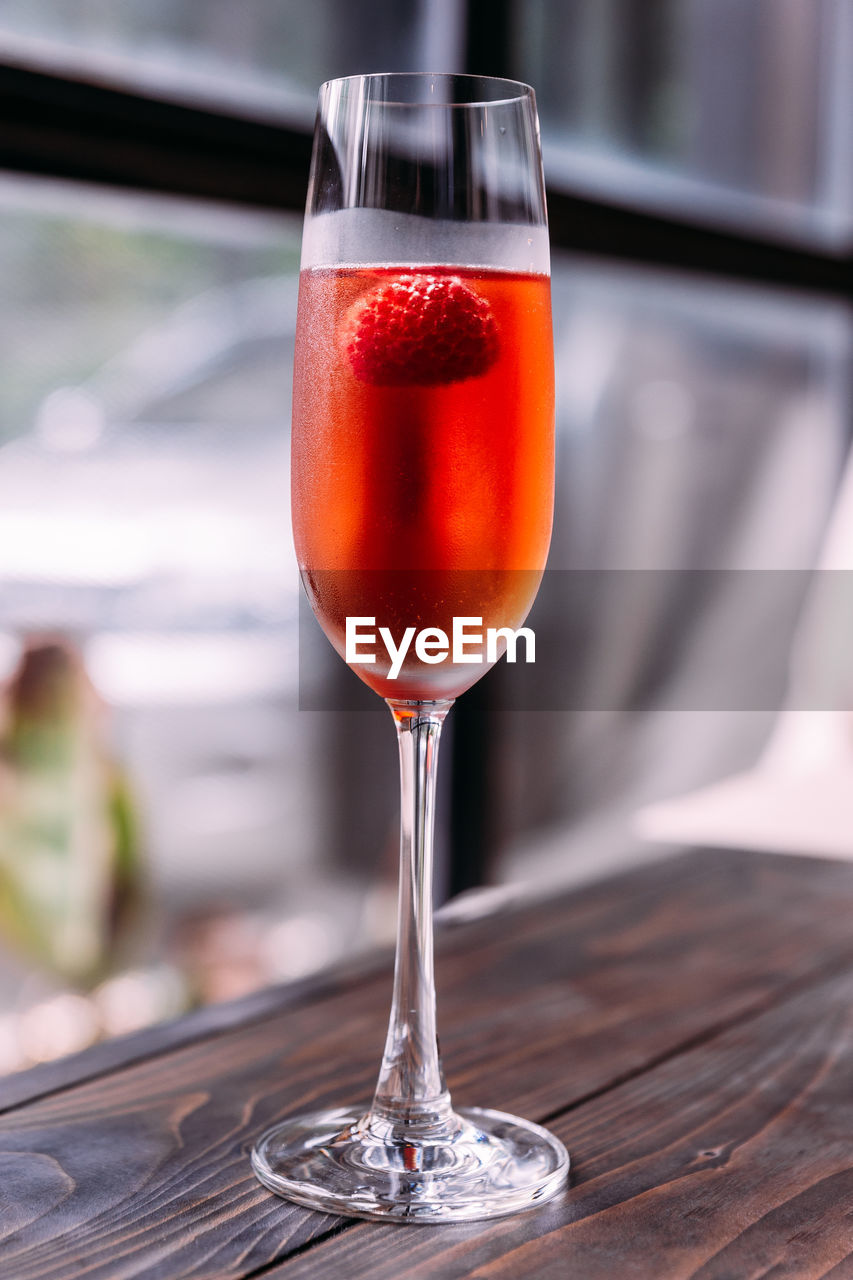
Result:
[{"x": 378, "y": 237}]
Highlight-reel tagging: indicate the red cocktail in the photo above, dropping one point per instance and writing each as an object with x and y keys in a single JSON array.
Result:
[
  {"x": 423, "y": 464},
  {"x": 422, "y": 486}
]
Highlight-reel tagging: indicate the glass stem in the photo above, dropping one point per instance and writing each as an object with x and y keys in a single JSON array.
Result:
[{"x": 411, "y": 1097}]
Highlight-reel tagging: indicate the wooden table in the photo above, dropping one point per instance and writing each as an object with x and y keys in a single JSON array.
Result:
[{"x": 686, "y": 1029}]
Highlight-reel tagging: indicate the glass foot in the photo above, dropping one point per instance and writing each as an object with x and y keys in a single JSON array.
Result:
[{"x": 482, "y": 1164}]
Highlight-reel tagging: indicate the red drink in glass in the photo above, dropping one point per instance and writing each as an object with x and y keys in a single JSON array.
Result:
[
  {"x": 422, "y": 493},
  {"x": 418, "y": 499}
]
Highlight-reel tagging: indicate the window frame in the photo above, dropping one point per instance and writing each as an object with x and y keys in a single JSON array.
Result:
[{"x": 80, "y": 128}]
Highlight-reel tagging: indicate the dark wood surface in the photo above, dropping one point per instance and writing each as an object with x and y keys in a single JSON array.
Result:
[{"x": 687, "y": 1030}]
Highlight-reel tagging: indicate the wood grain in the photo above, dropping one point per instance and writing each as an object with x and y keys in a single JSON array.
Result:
[
  {"x": 142, "y": 1170},
  {"x": 200, "y": 1024},
  {"x": 728, "y": 1162}
]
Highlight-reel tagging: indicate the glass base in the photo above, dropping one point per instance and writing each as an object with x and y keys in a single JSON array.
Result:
[{"x": 482, "y": 1164}]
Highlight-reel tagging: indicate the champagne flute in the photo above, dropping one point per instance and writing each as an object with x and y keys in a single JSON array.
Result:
[{"x": 423, "y": 475}]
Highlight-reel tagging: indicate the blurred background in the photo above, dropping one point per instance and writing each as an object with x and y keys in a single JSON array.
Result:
[{"x": 174, "y": 829}]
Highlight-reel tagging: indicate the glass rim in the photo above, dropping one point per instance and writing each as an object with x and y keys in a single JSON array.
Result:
[{"x": 515, "y": 90}]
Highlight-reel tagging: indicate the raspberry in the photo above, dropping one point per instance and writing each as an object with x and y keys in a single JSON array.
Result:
[{"x": 421, "y": 330}]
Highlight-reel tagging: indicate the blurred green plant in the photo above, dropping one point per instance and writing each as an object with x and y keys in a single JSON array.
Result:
[{"x": 70, "y": 862}]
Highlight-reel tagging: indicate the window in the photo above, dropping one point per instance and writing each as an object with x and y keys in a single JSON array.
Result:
[
  {"x": 697, "y": 155},
  {"x": 154, "y": 163},
  {"x": 727, "y": 111},
  {"x": 255, "y": 58}
]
